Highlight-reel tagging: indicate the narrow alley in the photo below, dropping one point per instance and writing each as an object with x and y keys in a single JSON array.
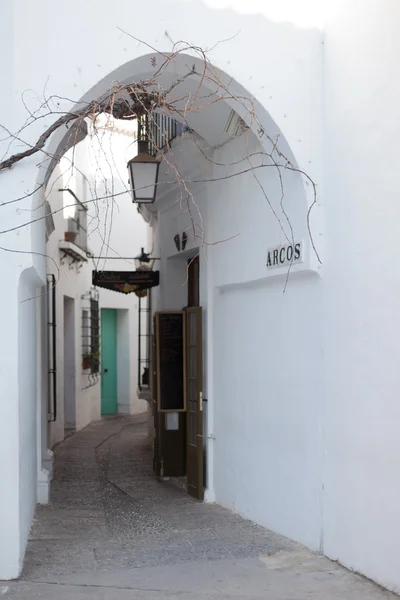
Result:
[{"x": 114, "y": 532}]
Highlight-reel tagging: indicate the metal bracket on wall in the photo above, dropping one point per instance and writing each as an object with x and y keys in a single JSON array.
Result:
[{"x": 73, "y": 260}]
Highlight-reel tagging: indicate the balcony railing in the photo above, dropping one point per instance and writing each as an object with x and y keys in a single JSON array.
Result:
[
  {"x": 76, "y": 232},
  {"x": 165, "y": 129}
]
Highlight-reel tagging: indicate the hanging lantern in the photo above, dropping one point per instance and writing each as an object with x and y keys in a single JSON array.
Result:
[{"x": 143, "y": 169}]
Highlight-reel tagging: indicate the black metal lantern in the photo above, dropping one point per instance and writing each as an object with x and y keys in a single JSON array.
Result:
[
  {"x": 144, "y": 262},
  {"x": 143, "y": 169}
]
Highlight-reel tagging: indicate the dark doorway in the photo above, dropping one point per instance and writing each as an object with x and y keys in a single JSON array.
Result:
[{"x": 193, "y": 266}]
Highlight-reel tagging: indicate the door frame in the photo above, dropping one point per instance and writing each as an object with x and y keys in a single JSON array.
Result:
[{"x": 195, "y": 452}]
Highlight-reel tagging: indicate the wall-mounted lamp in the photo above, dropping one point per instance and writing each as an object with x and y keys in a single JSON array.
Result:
[{"x": 144, "y": 262}]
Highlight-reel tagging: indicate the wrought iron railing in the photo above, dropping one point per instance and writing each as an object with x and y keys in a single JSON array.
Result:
[
  {"x": 144, "y": 337},
  {"x": 76, "y": 231},
  {"x": 91, "y": 334},
  {"x": 164, "y": 130},
  {"x": 51, "y": 348}
]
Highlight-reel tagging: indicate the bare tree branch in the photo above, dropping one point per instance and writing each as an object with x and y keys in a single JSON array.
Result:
[{"x": 126, "y": 102}]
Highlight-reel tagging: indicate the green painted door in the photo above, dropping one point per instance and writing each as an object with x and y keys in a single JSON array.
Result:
[{"x": 109, "y": 404}]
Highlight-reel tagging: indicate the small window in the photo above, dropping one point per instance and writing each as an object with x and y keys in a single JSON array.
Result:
[
  {"x": 95, "y": 335},
  {"x": 86, "y": 341},
  {"x": 144, "y": 342},
  {"x": 91, "y": 338}
]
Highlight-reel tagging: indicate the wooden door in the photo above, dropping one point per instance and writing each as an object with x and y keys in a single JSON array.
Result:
[
  {"x": 170, "y": 407},
  {"x": 194, "y": 395},
  {"x": 109, "y": 401}
]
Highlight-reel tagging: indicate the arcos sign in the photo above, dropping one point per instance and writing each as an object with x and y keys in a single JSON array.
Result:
[{"x": 286, "y": 255}]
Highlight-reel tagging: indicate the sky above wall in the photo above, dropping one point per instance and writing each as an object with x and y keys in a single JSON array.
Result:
[{"x": 302, "y": 13}]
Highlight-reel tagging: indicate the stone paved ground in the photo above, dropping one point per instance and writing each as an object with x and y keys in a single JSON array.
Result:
[{"x": 113, "y": 532}]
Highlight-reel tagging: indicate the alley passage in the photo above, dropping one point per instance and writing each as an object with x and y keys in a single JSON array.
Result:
[{"x": 114, "y": 532}]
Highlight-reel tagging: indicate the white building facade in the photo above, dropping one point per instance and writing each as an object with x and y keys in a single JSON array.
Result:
[
  {"x": 73, "y": 390},
  {"x": 300, "y": 358},
  {"x": 88, "y": 225}
]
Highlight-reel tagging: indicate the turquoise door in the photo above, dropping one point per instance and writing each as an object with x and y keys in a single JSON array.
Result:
[{"x": 109, "y": 404}]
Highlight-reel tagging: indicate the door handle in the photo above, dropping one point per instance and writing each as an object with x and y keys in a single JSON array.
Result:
[{"x": 201, "y": 401}]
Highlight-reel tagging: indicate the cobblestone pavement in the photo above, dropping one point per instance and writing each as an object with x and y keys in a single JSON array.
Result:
[{"x": 114, "y": 532}]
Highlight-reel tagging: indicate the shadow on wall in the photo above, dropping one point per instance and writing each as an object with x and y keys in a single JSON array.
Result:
[{"x": 28, "y": 289}]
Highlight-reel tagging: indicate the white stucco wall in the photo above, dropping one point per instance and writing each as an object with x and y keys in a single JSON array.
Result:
[
  {"x": 27, "y": 405},
  {"x": 71, "y": 282},
  {"x": 306, "y": 417},
  {"x": 318, "y": 444},
  {"x": 291, "y": 87},
  {"x": 127, "y": 401},
  {"x": 361, "y": 289},
  {"x": 264, "y": 456},
  {"x": 264, "y": 336}
]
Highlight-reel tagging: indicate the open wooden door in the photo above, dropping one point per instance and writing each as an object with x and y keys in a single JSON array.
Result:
[
  {"x": 154, "y": 412},
  {"x": 194, "y": 396},
  {"x": 170, "y": 394}
]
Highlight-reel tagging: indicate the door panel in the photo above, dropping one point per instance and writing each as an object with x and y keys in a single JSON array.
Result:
[
  {"x": 109, "y": 401},
  {"x": 170, "y": 442},
  {"x": 194, "y": 415}
]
